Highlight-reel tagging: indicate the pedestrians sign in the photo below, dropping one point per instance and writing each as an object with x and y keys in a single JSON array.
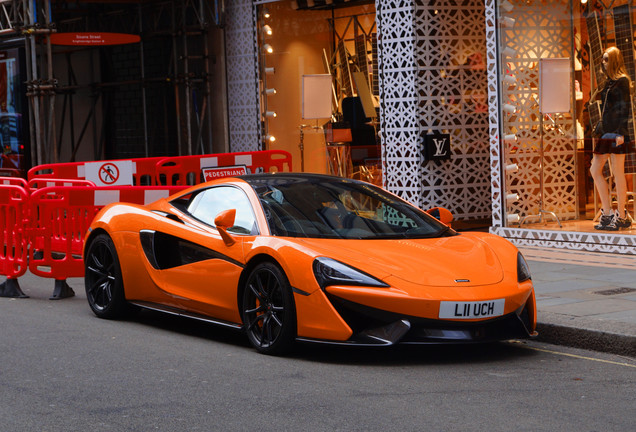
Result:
[{"x": 213, "y": 173}]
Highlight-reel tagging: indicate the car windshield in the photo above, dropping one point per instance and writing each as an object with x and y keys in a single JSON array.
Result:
[{"x": 317, "y": 206}]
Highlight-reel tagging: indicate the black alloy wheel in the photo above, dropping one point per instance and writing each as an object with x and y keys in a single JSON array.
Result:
[
  {"x": 102, "y": 279},
  {"x": 269, "y": 314}
]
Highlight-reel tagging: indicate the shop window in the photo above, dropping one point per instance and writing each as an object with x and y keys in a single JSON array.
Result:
[
  {"x": 298, "y": 41},
  {"x": 546, "y": 153}
]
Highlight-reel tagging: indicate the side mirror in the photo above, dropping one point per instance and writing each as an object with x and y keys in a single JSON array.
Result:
[
  {"x": 223, "y": 221},
  {"x": 441, "y": 214}
]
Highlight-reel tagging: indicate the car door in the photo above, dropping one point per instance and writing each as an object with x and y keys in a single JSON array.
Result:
[{"x": 192, "y": 262}]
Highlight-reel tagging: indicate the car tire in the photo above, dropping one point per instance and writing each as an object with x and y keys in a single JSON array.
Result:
[
  {"x": 103, "y": 280},
  {"x": 268, "y": 310}
]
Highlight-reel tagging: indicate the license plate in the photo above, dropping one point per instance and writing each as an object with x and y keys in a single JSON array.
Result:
[{"x": 471, "y": 310}]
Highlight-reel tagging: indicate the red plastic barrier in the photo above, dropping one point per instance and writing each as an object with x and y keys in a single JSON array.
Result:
[
  {"x": 13, "y": 231},
  {"x": 177, "y": 170},
  {"x": 61, "y": 219},
  {"x": 16, "y": 181},
  {"x": 42, "y": 182},
  {"x": 143, "y": 170},
  {"x": 187, "y": 170}
]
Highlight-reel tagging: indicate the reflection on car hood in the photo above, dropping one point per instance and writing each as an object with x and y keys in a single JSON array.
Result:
[{"x": 433, "y": 262}]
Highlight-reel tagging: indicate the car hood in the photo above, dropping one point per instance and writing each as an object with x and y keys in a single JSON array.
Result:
[{"x": 444, "y": 261}]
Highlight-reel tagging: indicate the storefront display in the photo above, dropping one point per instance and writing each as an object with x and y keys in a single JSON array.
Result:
[
  {"x": 547, "y": 193},
  {"x": 318, "y": 86}
]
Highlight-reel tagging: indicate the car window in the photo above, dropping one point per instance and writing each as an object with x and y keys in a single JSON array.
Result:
[
  {"x": 207, "y": 204},
  {"x": 331, "y": 208}
]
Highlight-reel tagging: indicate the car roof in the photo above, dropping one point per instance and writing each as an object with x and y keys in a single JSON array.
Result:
[{"x": 286, "y": 178}]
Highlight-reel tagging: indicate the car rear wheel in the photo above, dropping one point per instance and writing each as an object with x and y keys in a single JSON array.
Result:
[
  {"x": 102, "y": 279},
  {"x": 269, "y": 314}
]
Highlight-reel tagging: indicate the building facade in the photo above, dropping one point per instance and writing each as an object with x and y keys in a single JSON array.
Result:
[{"x": 485, "y": 107}]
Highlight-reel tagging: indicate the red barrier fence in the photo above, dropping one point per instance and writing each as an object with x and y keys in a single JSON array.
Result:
[
  {"x": 16, "y": 181},
  {"x": 13, "y": 237},
  {"x": 42, "y": 182},
  {"x": 188, "y": 170},
  {"x": 43, "y": 222},
  {"x": 61, "y": 217},
  {"x": 177, "y": 170},
  {"x": 143, "y": 170}
]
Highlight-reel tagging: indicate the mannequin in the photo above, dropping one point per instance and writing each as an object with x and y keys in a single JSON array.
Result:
[{"x": 613, "y": 141}]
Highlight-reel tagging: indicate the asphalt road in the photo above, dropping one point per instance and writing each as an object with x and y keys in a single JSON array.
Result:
[{"x": 63, "y": 369}]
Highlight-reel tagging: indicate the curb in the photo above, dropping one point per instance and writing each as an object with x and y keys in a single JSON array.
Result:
[{"x": 602, "y": 336}]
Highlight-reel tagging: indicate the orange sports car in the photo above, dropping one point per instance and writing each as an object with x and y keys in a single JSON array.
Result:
[{"x": 304, "y": 257}]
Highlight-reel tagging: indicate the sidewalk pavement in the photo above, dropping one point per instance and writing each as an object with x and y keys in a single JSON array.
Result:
[{"x": 584, "y": 299}]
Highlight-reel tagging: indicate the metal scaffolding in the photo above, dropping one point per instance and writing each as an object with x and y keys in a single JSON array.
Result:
[{"x": 181, "y": 25}]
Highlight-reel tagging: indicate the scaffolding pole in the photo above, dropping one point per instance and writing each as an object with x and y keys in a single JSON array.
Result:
[{"x": 190, "y": 77}]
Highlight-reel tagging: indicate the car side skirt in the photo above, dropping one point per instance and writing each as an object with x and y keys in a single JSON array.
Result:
[{"x": 182, "y": 313}]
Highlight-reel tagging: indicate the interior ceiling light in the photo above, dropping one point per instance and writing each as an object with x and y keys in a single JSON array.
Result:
[
  {"x": 510, "y": 109},
  {"x": 268, "y": 48},
  {"x": 266, "y": 13},
  {"x": 270, "y": 113},
  {"x": 270, "y": 91},
  {"x": 267, "y": 30}
]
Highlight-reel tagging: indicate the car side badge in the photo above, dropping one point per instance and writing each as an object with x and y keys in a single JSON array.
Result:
[{"x": 462, "y": 280}]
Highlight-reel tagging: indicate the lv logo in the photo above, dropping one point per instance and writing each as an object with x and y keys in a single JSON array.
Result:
[
  {"x": 440, "y": 147},
  {"x": 437, "y": 146}
]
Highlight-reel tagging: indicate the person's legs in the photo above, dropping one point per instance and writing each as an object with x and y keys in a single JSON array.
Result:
[
  {"x": 618, "y": 165},
  {"x": 602, "y": 187},
  {"x": 618, "y": 168}
]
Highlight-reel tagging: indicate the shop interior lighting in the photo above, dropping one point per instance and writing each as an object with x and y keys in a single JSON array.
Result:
[
  {"x": 270, "y": 138},
  {"x": 513, "y": 218},
  {"x": 266, "y": 13},
  {"x": 268, "y": 48},
  {"x": 270, "y": 91},
  {"x": 508, "y": 7},
  {"x": 509, "y": 109},
  {"x": 510, "y": 139},
  {"x": 270, "y": 113},
  {"x": 513, "y": 197},
  {"x": 583, "y": 1},
  {"x": 267, "y": 30},
  {"x": 507, "y": 22},
  {"x": 512, "y": 168},
  {"x": 270, "y": 70},
  {"x": 509, "y": 52}
]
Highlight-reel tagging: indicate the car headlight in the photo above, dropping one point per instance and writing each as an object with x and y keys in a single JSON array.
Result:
[
  {"x": 523, "y": 271},
  {"x": 331, "y": 272}
]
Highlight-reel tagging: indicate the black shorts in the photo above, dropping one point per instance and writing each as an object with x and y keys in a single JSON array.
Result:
[{"x": 608, "y": 146}]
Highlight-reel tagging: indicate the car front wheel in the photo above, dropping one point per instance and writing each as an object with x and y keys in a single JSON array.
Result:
[
  {"x": 269, "y": 315},
  {"x": 103, "y": 280}
]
